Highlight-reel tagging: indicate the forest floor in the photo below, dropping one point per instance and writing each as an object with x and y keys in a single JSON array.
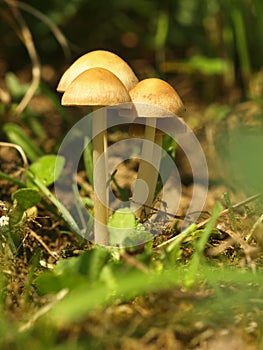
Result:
[{"x": 173, "y": 318}]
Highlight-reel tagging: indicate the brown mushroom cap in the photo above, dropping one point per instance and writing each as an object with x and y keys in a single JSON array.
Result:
[
  {"x": 156, "y": 98},
  {"x": 153, "y": 97},
  {"x": 102, "y": 59},
  {"x": 95, "y": 87}
]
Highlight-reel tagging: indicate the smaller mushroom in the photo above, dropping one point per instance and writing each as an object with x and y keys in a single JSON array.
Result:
[
  {"x": 153, "y": 98},
  {"x": 97, "y": 87}
]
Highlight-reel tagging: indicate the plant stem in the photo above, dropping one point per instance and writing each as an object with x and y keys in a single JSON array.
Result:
[
  {"x": 65, "y": 213},
  {"x": 12, "y": 179}
]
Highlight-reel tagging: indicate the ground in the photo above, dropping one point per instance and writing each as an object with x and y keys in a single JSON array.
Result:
[{"x": 176, "y": 318}]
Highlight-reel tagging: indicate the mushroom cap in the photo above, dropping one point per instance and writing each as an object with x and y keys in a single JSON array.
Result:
[
  {"x": 103, "y": 59},
  {"x": 95, "y": 87},
  {"x": 154, "y": 97}
]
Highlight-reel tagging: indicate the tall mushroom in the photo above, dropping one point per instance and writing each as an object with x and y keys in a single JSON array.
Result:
[
  {"x": 100, "y": 59},
  {"x": 153, "y": 98},
  {"x": 97, "y": 87}
]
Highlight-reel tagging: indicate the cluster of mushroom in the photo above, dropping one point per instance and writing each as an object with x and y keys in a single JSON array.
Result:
[{"x": 101, "y": 78}]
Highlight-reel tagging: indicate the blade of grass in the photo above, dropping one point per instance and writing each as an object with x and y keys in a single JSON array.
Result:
[
  {"x": 256, "y": 224},
  {"x": 200, "y": 246},
  {"x": 241, "y": 39},
  {"x": 88, "y": 162},
  {"x": 12, "y": 179},
  {"x": 65, "y": 213},
  {"x": 17, "y": 135},
  {"x": 231, "y": 212},
  {"x": 28, "y": 285}
]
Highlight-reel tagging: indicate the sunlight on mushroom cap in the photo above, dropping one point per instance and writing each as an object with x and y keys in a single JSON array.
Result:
[
  {"x": 95, "y": 87},
  {"x": 156, "y": 98},
  {"x": 101, "y": 59}
]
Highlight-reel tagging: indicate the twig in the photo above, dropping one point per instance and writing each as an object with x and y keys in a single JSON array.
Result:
[
  {"x": 25, "y": 36},
  {"x": 45, "y": 309},
  {"x": 249, "y": 250},
  {"x": 234, "y": 206},
  {"x": 54, "y": 28},
  {"x": 223, "y": 212},
  {"x": 134, "y": 262},
  {"x": 256, "y": 224},
  {"x": 32, "y": 233},
  {"x": 221, "y": 247},
  {"x": 19, "y": 150},
  {"x": 180, "y": 217}
]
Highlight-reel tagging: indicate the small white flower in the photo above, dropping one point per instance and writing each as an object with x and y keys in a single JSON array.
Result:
[{"x": 4, "y": 221}]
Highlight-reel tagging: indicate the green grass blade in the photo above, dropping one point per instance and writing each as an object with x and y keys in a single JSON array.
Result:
[
  {"x": 200, "y": 246},
  {"x": 17, "y": 135}
]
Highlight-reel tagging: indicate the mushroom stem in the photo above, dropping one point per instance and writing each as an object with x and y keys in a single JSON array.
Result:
[
  {"x": 99, "y": 140},
  {"x": 148, "y": 170},
  {"x": 156, "y": 165}
]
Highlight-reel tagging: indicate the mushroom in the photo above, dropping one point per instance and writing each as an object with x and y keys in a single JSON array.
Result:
[
  {"x": 97, "y": 87},
  {"x": 103, "y": 59},
  {"x": 99, "y": 58},
  {"x": 153, "y": 98}
]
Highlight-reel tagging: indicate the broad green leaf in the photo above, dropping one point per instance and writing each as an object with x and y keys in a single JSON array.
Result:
[
  {"x": 123, "y": 218},
  {"x": 26, "y": 197},
  {"x": 125, "y": 231},
  {"x": 46, "y": 169},
  {"x": 88, "y": 264},
  {"x": 75, "y": 271},
  {"x": 121, "y": 225},
  {"x": 84, "y": 298}
]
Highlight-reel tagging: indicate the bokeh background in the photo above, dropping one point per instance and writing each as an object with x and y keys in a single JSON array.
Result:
[
  {"x": 210, "y": 50},
  {"x": 216, "y": 44}
]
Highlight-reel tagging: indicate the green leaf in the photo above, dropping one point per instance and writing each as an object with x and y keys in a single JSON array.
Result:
[
  {"x": 46, "y": 169},
  {"x": 80, "y": 301},
  {"x": 88, "y": 264},
  {"x": 17, "y": 135},
  {"x": 26, "y": 197},
  {"x": 48, "y": 283},
  {"x": 75, "y": 271},
  {"x": 125, "y": 231},
  {"x": 121, "y": 225},
  {"x": 16, "y": 88},
  {"x": 200, "y": 245},
  {"x": 123, "y": 218},
  {"x": 208, "y": 65}
]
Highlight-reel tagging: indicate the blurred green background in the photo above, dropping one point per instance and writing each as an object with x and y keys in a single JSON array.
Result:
[{"x": 218, "y": 43}]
